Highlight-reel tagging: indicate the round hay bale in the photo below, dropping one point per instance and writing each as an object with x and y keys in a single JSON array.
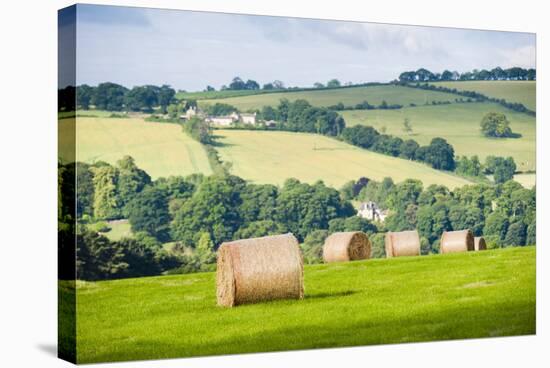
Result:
[
  {"x": 259, "y": 269},
  {"x": 456, "y": 241},
  {"x": 479, "y": 243},
  {"x": 346, "y": 246},
  {"x": 403, "y": 243}
]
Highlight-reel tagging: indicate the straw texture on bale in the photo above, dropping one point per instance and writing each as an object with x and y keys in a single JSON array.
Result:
[
  {"x": 479, "y": 243},
  {"x": 346, "y": 246},
  {"x": 456, "y": 241},
  {"x": 259, "y": 269},
  {"x": 403, "y": 243}
]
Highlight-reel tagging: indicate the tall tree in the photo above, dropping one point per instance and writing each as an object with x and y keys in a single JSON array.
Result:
[{"x": 106, "y": 200}]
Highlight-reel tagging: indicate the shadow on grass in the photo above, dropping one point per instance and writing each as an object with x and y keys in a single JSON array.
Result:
[
  {"x": 330, "y": 295},
  {"x": 217, "y": 142}
]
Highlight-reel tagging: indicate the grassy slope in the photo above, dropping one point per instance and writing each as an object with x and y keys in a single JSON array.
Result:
[
  {"x": 348, "y": 96},
  {"x": 158, "y": 148},
  {"x": 119, "y": 229},
  {"x": 459, "y": 124},
  {"x": 272, "y": 157},
  {"x": 383, "y": 301},
  {"x": 512, "y": 91}
]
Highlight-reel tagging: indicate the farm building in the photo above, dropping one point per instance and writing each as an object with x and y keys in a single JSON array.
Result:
[
  {"x": 249, "y": 118},
  {"x": 370, "y": 211},
  {"x": 226, "y": 120}
]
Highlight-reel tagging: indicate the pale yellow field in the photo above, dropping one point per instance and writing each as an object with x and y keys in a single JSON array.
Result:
[
  {"x": 527, "y": 180},
  {"x": 272, "y": 157},
  {"x": 160, "y": 149}
]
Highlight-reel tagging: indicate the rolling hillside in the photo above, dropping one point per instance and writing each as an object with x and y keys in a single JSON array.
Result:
[
  {"x": 512, "y": 91},
  {"x": 160, "y": 149},
  {"x": 272, "y": 157},
  {"x": 348, "y": 96},
  {"x": 380, "y": 301},
  {"x": 459, "y": 125}
]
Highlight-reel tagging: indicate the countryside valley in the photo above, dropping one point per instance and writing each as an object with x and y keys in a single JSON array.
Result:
[{"x": 164, "y": 177}]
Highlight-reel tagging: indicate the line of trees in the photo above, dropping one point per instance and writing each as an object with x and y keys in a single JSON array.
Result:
[
  {"x": 365, "y": 105},
  {"x": 115, "y": 97},
  {"x": 439, "y": 154},
  {"x": 301, "y": 116},
  {"x": 472, "y": 96},
  {"x": 191, "y": 211},
  {"x": 424, "y": 75},
  {"x": 199, "y": 213}
]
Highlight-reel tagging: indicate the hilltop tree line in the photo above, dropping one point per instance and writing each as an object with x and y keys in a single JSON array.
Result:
[
  {"x": 424, "y": 75},
  {"x": 115, "y": 97},
  {"x": 200, "y": 213}
]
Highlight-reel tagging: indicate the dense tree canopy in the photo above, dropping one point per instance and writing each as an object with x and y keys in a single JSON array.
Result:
[{"x": 496, "y": 125}]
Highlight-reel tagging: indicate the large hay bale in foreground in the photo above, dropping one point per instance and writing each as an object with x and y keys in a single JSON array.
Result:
[
  {"x": 403, "y": 243},
  {"x": 456, "y": 241},
  {"x": 346, "y": 246},
  {"x": 259, "y": 269},
  {"x": 479, "y": 243}
]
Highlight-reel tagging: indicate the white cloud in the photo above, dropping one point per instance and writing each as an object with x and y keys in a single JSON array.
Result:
[{"x": 524, "y": 56}]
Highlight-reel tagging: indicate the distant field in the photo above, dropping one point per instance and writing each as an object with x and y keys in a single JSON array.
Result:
[
  {"x": 272, "y": 157},
  {"x": 160, "y": 149},
  {"x": 458, "y": 124},
  {"x": 379, "y": 301},
  {"x": 218, "y": 94},
  {"x": 527, "y": 180},
  {"x": 512, "y": 91},
  {"x": 87, "y": 113},
  {"x": 119, "y": 229},
  {"x": 348, "y": 96}
]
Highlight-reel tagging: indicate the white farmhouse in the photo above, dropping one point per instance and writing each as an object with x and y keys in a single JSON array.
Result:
[
  {"x": 371, "y": 211},
  {"x": 224, "y": 121},
  {"x": 249, "y": 118}
]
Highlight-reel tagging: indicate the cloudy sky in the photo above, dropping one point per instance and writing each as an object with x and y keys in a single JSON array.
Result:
[{"x": 189, "y": 50}]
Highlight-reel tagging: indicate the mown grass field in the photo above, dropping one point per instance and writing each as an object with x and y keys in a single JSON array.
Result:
[
  {"x": 160, "y": 149},
  {"x": 459, "y": 125},
  {"x": 381, "y": 301},
  {"x": 272, "y": 157},
  {"x": 348, "y": 96},
  {"x": 512, "y": 91}
]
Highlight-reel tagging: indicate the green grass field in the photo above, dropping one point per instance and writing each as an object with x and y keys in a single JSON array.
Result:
[
  {"x": 272, "y": 157},
  {"x": 160, "y": 149},
  {"x": 348, "y": 96},
  {"x": 380, "y": 301},
  {"x": 512, "y": 91},
  {"x": 459, "y": 125},
  {"x": 119, "y": 229}
]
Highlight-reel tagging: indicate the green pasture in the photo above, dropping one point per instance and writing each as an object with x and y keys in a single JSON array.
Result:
[
  {"x": 458, "y": 123},
  {"x": 523, "y": 92},
  {"x": 348, "y": 96},
  {"x": 379, "y": 301},
  {"x": 161, "y": 149},
  {"x": 272, "y": 157}
]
